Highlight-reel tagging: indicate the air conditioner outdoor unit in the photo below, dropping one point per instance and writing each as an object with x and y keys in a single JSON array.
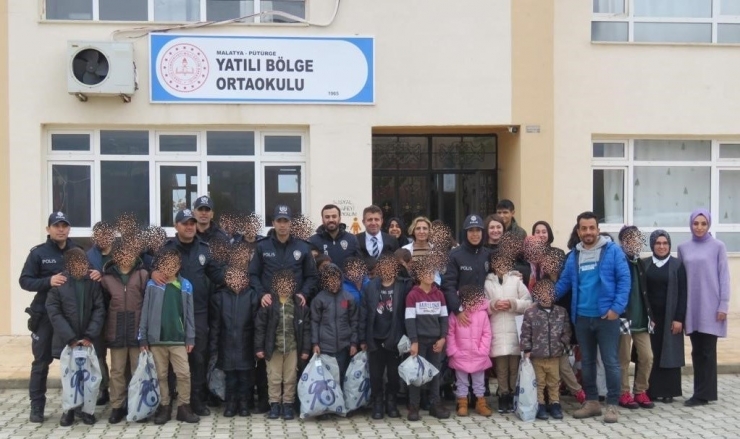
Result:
[{"x": 101, "y": 68}]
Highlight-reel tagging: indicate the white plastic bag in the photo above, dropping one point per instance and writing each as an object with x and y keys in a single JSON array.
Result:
[
  {"x": 319, "y": 390},
  {"x": 143, "y": 390},
  {"x": 357, "y": 382},
  {"x": 416, "y": 371},
  {"x": 216, "y": 381},
  {"x": 404, "y": 345},
  {"x": 525, "y": 398},
  {"x": 81, "y": 378}
]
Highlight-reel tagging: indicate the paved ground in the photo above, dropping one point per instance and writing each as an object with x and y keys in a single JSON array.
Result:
[{"x": 720, "y": 419}]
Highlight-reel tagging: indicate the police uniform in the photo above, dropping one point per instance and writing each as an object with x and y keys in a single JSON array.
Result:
[{"x": 43, "y": 262}]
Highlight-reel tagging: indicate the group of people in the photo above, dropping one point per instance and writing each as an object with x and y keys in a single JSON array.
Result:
[{"x": 258, "y": 307}]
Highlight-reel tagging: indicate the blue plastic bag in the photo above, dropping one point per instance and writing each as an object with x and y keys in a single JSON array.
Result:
[
  {"x": 357, "y": 382},
  {"x": 81, "y": 378},
  {"x": 416, "y": 371},
  {"x": 318, "y": 388},
  {"x": 143, "y": 390}
]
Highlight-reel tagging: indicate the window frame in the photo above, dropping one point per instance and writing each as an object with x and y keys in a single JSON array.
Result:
[
  {"x": 628, "y": 17},
  {"x": 150, "y": 14},
  {"x": 93, "y": 158},
  {"x": 628, "y": 164}
]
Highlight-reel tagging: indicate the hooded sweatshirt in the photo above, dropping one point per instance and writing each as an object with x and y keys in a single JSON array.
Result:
[
  {"x": 589, "y": 284},
  {"x": 708, "y": 281}
]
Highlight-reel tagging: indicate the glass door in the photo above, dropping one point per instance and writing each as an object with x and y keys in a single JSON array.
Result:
[{"x": 178, "y": 188}]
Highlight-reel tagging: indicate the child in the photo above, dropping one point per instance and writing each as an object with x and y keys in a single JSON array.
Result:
[
  {"x": 381, "y": 327},
  {"x": 232, "y": 337},
  {"x": 124, "y": 281},
  {"x": 426, "y": 326},
  {"x": 334, "y": 319},
  {"x": 167, "y": 329},
  {"x": 282, "y": 334},
  {"x": 403, "y": 256},
  {"x": 468, "y": 348},
  {"x": 545, "y": 337},
  {"x": 509, "y": 297},
  {"x": 77, "y": 314},
  {"x": 321, "y": 260},
  {"x": 355, "y": 277}
]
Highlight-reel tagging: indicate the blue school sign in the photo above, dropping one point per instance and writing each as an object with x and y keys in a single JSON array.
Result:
[{"x": 248, "y": 69}]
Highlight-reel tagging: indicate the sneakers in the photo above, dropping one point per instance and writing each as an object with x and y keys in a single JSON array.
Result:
[
  {"x": 501, "y": 404},
  {"x": 413, "y": 414},
  {"x": 163, "y": 414},
  {"x": 556, "y": 411},
  {"x": 116, "y": 415},
  {"x": 288, "y": 412},
  {"x": 542, "y": 412},
  {"x": 509, "y": 403},
  {"x": 612, "y": 414},
  {"x": 580, "y": 396},
  {"x": 462, "y": 406},
  {"x": 37, "y": 413},
  {"x": 644, "y": 400},
  {"x": 68, "y": 418},
  {"x": 185, "y": 414},
  {"x": 439, "y": 411},
  {"x": 589, "y": 409},
  {"x": 274, "y": 411},
  {"x": 481, "y": 407},
  {"x": 628, "y": 402}
]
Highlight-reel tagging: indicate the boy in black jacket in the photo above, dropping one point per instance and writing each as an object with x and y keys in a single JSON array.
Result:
[
  {"x": 232, "y": 338},
  {"x": 283, "y": 333},
  {"x": 334, "y": 319},
  {"x": 77, "y": 314},
  {"x": 381, "y": 327}
]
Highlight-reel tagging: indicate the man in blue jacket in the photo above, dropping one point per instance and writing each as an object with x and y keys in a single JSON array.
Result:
[
  {"x": 597, "y": 274},
  {"x": 332, "y": 237}
]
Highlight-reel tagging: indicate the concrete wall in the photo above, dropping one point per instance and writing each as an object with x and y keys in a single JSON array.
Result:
[{"x": 6, "y": 276}]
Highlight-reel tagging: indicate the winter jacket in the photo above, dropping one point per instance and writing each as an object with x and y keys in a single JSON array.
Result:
[
  {"x": 545, "y": 334},
  {"x": 351, "y": 288},
  {"x": 213, "y": 232},
  {"x": 339, "y": 248},
  {"x": 64, "y": 314},
  {"x": 201, "y": 271},
  {"x": 44, "y": 261},
  {"x": 469, "y": 346},
  {"x": 642, "y": 285},
  {"x": 515, "y": 230},
  {"x": 615, "y": 280},
  {"x": 150, "y": 325},
  {"x": 334, "y": 321},
  {"x": 266, "y": 329},
  {"x": 271, "y": 256},
  {"x": 231, "y": 337},
  {"x": 95, "y": 258},
  {"x": 370, "y": 299},
  {"x": 124, "y": 305},
  {"x": 467, "y": 265},
  {"x": 503, "y": 323}
]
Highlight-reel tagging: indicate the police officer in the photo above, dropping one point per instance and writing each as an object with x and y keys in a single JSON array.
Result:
[
  {"x": 207, "y": 229},
  {"x": 279, "y": 250},
  {"x": 332, "y": 238},
  {"x": 41, "y": 272},
  {"x": 199, "y": 268}
]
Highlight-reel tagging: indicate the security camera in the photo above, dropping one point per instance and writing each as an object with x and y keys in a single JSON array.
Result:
[{"x": 513, "y": 129}]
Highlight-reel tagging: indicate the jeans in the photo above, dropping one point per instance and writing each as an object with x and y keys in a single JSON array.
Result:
[
  {"x": 198, "y": 360},
  {"x": 237, "y": 385},
  {"x": 593, "y": 333},
  {"x": 426, "y": 351},
  {"x": 383, "y": 361},
  {"x": 342, "y": 358}
]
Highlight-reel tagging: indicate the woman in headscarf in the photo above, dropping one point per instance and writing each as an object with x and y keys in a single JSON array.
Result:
[
  {"x": 397, "y": 230},
  {"x": 664, "y": 280},
  {"x": 708, "y": 300}
]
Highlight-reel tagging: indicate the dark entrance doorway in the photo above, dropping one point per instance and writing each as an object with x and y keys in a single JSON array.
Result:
[{"x": 442, "y": 177}]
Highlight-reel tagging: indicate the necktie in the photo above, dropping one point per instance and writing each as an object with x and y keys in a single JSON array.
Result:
[{"x": 375, "y": 247}]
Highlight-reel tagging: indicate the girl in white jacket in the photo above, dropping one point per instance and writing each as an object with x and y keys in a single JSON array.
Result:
[{"x": 508, "y": 298}]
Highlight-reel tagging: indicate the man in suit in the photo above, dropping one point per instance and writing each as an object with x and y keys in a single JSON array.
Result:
[{"x": 372, "y": 242}]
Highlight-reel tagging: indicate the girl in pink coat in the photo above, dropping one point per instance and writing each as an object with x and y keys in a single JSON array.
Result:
[{"x": 468, "y": 348}]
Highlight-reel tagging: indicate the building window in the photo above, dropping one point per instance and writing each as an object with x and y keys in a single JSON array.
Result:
[
  {"x": 97, "y": 175},
  {"x": 657, "y": 183},
  {"x": 666, "y": 21},
  {"x": 173, "y": 10}
]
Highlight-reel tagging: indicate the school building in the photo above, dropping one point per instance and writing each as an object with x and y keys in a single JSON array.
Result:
[{"x": 423, "y": 107}]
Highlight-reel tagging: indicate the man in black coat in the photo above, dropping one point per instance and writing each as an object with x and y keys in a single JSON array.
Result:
[
  {"x": 332, "y": 238},
  {"x": 372, "y": 242},
  {"x": 207, "y": 229},
  {"x": 42, "y": 272},
  {"x": 202, "y": 271}
]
